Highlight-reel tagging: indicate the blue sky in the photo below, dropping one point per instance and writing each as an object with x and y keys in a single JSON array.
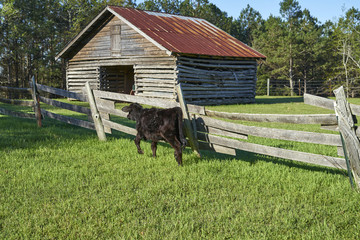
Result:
[{"x": 323, "y": 10}]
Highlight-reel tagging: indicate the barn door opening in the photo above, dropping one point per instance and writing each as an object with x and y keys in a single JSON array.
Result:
[{"x": 118, "y": 79}]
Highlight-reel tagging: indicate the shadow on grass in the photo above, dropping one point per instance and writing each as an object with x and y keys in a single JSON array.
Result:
[
  {"x": 253, "y": 158},
  {"x": 279, "y": 100}
]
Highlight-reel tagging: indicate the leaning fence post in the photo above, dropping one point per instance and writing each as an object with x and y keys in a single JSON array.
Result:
[
  {"x": 36, "y": 99},
  {"x": 188, "y": 125},
  {"x": 95, "y": 113},
  {"x": 351, "y": 143}
]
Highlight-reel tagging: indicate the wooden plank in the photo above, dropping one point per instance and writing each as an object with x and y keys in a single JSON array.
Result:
[
  {"x": 201, "y": 127},
  {"x": 119, "y": 127},
  {"x": 318, "y": 101},
  {"x": 351, "y": 144},
  {"x": 316, "y": 159},
  {"x": 4, "y": 111},
  {"x": 157, "y": 81},
  {"x": 108, "y": 109},
  {"x": 187, "y": 122},
  {"x": 145, "y": 100},
  {"x": 17, "y": 102},
  {"x": 216, "y": 148},
  {"x": 15, "y": 89},
  {"x": 328, "y": 119},
  {"x": 282, "y": 134},
  {"x": 133, "y": 99},
  {"x": 67, "y": 106},
  {"x": 69, "y": 120},
  {"x": 83, "y": 76},
  {"x": 95, "y": 113},
  {"x": 157, "y": 89},
  {"x": 154, "y": 71},
  {"x": 105, "y": 114},
  {"x": 170, "y": 67},
  {"x": 155, "y": 76},
  {"x": 327, "y": 103},
  {"x": 62, "y": 92}
]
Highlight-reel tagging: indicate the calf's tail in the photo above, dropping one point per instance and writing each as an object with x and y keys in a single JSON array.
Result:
[{"x": 182, "y": 138}]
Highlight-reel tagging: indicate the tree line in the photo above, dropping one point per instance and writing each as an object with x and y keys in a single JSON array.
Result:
[{"x": 296, "y": 43}]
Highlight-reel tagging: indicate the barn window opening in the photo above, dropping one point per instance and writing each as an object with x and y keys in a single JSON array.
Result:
[{"x": 118, "y": 79}]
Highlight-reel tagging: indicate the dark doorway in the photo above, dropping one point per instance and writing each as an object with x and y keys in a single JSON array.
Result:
[{"x": 118, "y": 79}]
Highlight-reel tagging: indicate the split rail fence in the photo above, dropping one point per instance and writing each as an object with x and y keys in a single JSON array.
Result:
[{"x": 205, "y": 132}]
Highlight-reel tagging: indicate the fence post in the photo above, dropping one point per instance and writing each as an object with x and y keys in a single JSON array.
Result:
[
  {"x": 268, "y": 87},
  {"x": 36, "y": 99},
  {"x": 95, "y": 113},
  {"x": 351, "y": 143},
  {"x": 187, "y": 124}
]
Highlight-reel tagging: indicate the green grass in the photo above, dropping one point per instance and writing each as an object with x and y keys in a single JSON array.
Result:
[{"x": 60, "y": 182}]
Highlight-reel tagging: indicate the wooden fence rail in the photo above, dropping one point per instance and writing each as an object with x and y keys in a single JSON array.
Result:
[
  {"x": 326, "y": 119},
  {"x": 351, "y": 143},
  {"x": 5, "y": 89},
  {"x": 210, "y": 133},
  {"x": 72, "y": 107}
]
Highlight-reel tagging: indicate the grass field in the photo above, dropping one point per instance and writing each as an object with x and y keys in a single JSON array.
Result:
[{"x": 60, "y": 182}]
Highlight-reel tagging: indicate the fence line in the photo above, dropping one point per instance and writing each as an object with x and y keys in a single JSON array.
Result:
[
  {"x": 7, "y": 96},
  {"x": 209, "y": 133},
  {"x": 325, "y": 88},
  {"x": 75, "y": 108}
]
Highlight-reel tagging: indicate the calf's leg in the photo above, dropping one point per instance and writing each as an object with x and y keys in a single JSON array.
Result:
[
  {"x": 153, "y": 148},
  {"x": 174, "y": 142},
  {"x": 137, "y": 143}
]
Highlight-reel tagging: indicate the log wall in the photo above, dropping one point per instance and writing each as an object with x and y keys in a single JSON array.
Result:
[{"x": 207, "y": 81}]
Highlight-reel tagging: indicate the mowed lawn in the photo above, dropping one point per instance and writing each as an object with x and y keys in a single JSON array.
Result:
[{"x": 61, "y": 182}]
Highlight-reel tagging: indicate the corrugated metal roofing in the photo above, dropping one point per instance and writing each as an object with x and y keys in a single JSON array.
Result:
[{"x": 180, "y": 34}]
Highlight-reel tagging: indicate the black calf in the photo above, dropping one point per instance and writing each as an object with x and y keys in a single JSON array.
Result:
[{"x": 158, "y": 124}]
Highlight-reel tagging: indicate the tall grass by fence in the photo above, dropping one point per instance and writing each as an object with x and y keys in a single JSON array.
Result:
[{"x": 209, "y": 133}]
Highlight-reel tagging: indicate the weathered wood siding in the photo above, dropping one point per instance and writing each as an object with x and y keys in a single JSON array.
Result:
[
  {"x": 101, "y": 49},
  {"x": 204, "y": 80},
  {"x": 208, "y": 81},
  {"x": 156, "y": 80}
]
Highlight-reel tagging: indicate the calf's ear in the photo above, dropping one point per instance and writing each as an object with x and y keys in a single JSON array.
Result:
[{"x": 126, "y": 109}]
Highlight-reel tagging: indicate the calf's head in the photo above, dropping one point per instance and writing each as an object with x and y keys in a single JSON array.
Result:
[{"x": 134, "y": 111}]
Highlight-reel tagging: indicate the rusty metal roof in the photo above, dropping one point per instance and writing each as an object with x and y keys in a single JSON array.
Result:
[
  {"x": 172, "y": 33},
  {"x": 180, "y": 34}
]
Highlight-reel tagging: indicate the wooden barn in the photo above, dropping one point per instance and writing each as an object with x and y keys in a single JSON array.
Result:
[{"x": 128, "y": 50}]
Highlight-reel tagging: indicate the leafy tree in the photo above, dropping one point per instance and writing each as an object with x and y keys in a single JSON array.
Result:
[
  {"x": 248, "y": 25},
  {"x": 270, "y": 42},
  {"x": 347, "y": 41},
  {"x": 311, "y": 53}
]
